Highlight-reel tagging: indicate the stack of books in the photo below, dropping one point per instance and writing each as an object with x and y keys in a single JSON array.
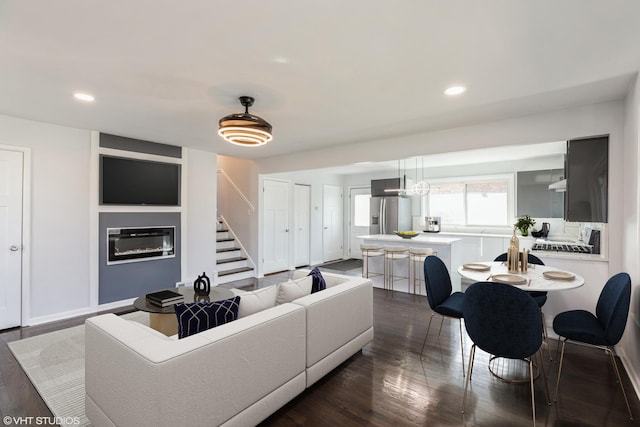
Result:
[{"x": 164, "y": 298}]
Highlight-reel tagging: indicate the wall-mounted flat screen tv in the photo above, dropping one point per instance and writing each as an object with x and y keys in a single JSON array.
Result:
[{"x": 126, "y": 181}]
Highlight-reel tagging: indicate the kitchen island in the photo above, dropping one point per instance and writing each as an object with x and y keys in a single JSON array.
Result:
[{"x": 449, "y": 250}]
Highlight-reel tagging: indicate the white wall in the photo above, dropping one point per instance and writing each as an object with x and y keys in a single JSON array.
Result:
[
  {"x": 629, "y": 348},
  {"x": 59, "y": 229},
  {"x": 561, "y": 125},
  {"x": 200, "y": 212},
  {"x": 61, "y": 209}
]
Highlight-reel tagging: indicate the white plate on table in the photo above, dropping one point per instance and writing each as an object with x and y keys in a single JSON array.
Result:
[
  {"x": 558, "y": 275},
  {"x": 476, "y": 267},
  {"x": 509, "y": 279}
]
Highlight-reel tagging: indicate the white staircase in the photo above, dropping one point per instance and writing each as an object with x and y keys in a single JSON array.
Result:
[{"x": 232, "y": 262}]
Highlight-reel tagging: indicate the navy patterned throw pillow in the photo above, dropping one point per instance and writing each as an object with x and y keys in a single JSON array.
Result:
[
  {"x": 318, "y": 281},
  {"x": 199, "y": 316}
]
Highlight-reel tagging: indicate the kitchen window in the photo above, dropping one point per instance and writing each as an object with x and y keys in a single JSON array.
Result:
[{"x": 471, "y": 201}]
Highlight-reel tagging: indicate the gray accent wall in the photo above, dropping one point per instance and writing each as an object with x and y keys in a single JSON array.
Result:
[
  {"x": 129, "y": 280},
  {"x": 139, "y": 146}
]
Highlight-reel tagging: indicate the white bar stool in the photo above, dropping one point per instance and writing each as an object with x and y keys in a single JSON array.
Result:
[
  {"x": 370, "y": 250},
  {"x": 391, "y": 255},
  {"x": 416, "y": 258}
]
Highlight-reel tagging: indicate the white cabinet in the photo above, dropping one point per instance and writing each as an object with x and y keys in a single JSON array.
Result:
[
  {"x": 491, "y": 247},
  {"x": 470, "y": 249},
  {"x": 481, "y": 248}
]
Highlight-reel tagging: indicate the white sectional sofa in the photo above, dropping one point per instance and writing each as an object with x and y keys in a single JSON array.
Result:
[{"x": 238, "y": 373}]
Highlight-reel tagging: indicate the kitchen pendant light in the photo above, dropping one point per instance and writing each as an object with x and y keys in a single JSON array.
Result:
[
  {"x": 420, "y": 188},
  {"x": 245, "y": 129}
]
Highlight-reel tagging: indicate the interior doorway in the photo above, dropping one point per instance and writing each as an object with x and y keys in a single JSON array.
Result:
[
  {"x": 301, "y": 225},
  {"x": 332, "y": 223},
  {"x": 275, "y": 226},
  {"x": 11, "y": 191}
]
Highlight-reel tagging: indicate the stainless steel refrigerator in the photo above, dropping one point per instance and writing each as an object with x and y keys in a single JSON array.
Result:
[{"x": 389, "y": 214}]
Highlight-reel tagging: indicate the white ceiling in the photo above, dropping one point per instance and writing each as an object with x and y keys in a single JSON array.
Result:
[{"x": 323, "y": 73}]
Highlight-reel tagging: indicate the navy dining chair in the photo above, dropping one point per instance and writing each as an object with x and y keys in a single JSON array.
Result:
[
  {"x": 442, "y": 300},
  {"x": 602, "y": 330},
  {"x": 503, "y": 321},
  {"x": 539, "y": 297}
]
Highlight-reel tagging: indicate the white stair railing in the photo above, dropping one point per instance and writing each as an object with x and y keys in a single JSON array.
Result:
[{"x": 238, "y": 212}]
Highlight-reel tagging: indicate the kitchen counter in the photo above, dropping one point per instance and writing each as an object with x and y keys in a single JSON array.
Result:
[
  {"x": 525, "y": 242},
  {"x": 420, "y": 239},
  {"x": 448, "y": 249}
]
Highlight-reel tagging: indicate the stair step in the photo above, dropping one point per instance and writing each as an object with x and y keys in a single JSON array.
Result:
[
  {"x": 227, "y": 260},
  {"x": 233, "y": 271},
  {"x": 226, "y": 239},
  {"x": 227, "y": 250},
  {"x": 222, "y": 230}
]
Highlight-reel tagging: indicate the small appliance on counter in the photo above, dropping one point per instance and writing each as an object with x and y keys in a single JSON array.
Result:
[{"x": 433, "y": 224}]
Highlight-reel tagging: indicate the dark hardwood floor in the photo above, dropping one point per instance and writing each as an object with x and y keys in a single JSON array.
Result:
[{"x": 388, "y": 383}]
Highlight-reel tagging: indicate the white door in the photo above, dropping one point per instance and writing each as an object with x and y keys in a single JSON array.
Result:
[
  {"x": 331, "y": 222},
  {"x": 276, "y": 226},
  {"x": 358, "y": 218},
  {"x": 10, "y": 238},
  {"x": 301, "y": 224}
]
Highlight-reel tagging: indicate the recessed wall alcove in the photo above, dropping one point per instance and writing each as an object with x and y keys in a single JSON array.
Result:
[{"x": 130, "y": 278}]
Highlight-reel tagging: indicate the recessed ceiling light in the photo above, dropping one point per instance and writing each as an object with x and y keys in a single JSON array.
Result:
[
  {"x": 281, "y": 60},
  {"x": 455, "y": 90},
  {"x": 83, "y": 97}
]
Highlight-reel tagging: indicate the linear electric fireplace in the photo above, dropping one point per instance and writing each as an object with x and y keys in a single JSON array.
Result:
[{"x": 140, "y": 244}]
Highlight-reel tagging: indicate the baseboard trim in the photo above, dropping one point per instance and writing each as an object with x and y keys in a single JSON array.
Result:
[{"x": 79, "y": 312}]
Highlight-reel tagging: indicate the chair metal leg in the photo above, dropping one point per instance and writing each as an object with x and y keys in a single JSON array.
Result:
[
  {"x": 385, "y": 275},
  {"x": 461, "y": 346},
  {"x": 615, "y": 368},
  {"x": 466, "y": 383},
  {"x": 533, "y": 394},
  {"x": 427, "y": 334},
  {"x": 441, "y": 323},
  {"x": 544, "y": 333},
  {"x": 555, "y": 399},
  {"x": 365, "y": 259},
  {"x": 612, "y": 358},
  {"x": 544, "y": 375}
]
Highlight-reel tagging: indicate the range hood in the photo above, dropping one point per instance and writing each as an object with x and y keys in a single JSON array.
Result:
[
  {"x": 387, "y": 187},
  {"x": 559, "y": 186}
]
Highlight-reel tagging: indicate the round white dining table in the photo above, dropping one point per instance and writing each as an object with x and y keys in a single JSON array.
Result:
[{"x": 533, "y": 279}]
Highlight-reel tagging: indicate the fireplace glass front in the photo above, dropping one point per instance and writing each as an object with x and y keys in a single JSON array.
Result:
[{"x": 140, "y": 244}]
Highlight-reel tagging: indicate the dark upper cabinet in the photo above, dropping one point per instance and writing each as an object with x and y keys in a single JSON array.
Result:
[{"x": 587, "y": 179}]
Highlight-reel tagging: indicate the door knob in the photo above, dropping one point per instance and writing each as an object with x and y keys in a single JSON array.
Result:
[
  {"x": 13, "y": 248},
  {"x": 326, "y": 228}
]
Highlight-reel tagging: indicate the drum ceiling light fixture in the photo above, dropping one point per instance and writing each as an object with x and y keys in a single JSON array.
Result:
[{"x": 245, "y": 129}]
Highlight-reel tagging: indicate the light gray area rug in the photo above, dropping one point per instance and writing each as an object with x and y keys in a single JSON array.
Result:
[{"x": 54, "y": 363}]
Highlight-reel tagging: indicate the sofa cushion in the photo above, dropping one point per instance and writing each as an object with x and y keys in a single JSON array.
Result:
[
  {"x": 294, "y": 289},
  {"x": 258, "y": 300},
  {"x": 199, "y": 316},
  {"x": 318, "y": 281}
]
